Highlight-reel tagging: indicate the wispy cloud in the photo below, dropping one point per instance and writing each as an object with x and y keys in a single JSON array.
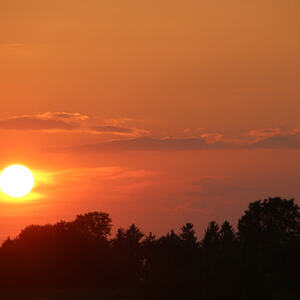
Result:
[
  {"x": 49, "y": 121},
  {"x": 254, "y": 139},
  {"x": 65, "y": 116},
  {"x": 282, "y": 141},
  {"x": 125, "y": 136},
  {"x": 264, "y": 133},
  {"x": 118, "y": 130},
  {"x": 71, "y": 122},
  {"x": 153, "y": 144},
  {"x": 118, "y": 121},
  {"x": 35, "y": 123}
]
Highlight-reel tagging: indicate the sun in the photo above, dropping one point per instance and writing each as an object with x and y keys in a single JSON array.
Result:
[{"x": 16, "y": 181}]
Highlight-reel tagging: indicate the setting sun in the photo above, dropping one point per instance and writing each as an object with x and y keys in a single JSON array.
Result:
[{"x": 16, "y": 181}]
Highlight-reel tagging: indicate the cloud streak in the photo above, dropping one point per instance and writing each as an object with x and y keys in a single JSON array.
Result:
[
  {"x": 260, "y": 139},
  {"x": 153, "y": 144},
  {"x": 34, "y": 123},
  {"x": 49, "y": 121},
  {"x": 70, "y": 122},
  {"x": 119, "y": 130},
  {"x": 63, "y": 116},
  {"x": 130, "y": 138}
]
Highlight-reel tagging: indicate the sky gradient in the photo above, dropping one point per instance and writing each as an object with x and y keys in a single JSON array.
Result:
[{"x": 157, "y": 112}]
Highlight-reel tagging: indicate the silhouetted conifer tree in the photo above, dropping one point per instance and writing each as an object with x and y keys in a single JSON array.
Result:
[{"x": 211, "y": 239}]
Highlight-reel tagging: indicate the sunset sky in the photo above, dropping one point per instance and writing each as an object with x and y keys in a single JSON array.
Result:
[{"x": 157, "y": 112}]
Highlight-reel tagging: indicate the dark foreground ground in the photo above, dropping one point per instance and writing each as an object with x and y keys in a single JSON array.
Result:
[
  {"x": 68, "y": 294},
  {"x": 100, "y": 294}
]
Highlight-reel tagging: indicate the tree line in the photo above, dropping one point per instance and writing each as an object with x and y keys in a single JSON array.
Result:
[{"x": 259, "y": 260}]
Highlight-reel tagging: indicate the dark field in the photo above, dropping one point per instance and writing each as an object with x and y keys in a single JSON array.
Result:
[
  {"x": 65, "y": 294},
  {"x": 100, "y": 294}
]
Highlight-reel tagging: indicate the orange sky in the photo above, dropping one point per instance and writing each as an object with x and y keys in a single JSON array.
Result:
[{"x": 157, "y": 112}]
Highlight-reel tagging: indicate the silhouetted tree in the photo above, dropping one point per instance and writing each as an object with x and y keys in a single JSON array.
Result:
[
  {"x": 228, "y": 267},
  {"x": 188, "y": 233},
  {"x": 211, "y": 239},
  {"x": 272, "y": 220},
  {"x": 269, "y": 232},
  {"x": 134, "y": 235},
  {"x": 189, "y": 244},
  {"x": 149, "y": 239},
  {"x": 128, "y": 256},
  {"x": 96, "y": 224},
  {"x": 227, "y": 236}
]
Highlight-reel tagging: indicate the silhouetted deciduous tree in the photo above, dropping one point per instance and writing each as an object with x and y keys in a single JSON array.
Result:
[
  {"x": 96, "y": 224},
  {"x": 269, "y": 232},
  {"x": 273, "y": 220}
]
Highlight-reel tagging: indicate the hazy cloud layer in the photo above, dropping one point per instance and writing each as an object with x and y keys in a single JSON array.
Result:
[
  {"x": 34, "y": 123},
  {"x": 291, "y": 141},
  {"x": 73, "y": 122},
  {"x": 260, "y": 139},
  {"x": 130, "y": 138},
  {"x": 49, "y": 121},
  {"x": 153, "y": 144}
]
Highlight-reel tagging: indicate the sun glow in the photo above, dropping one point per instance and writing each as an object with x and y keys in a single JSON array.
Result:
[{"x": 16, "y": 181}]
